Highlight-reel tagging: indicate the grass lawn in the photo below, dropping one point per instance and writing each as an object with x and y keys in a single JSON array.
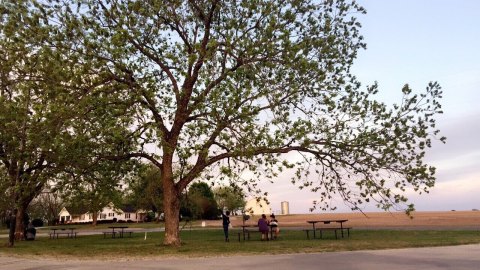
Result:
[{"x": 209, "y": 242}]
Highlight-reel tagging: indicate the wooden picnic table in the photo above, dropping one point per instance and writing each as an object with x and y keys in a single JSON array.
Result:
[
  {"x": 70, "y": 232},
  {"x": 328, "y": 221},
  {"x": 120, "y": 230}
]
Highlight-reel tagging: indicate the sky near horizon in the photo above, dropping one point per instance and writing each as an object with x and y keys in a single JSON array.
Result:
[{"x": 415, "y": 42}]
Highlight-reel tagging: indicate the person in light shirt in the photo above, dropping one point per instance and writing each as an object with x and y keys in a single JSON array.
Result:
[{"x": 274, "y": 225}]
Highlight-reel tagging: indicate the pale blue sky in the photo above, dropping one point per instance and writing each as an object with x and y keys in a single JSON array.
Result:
[{"x": 414, "y": 42}]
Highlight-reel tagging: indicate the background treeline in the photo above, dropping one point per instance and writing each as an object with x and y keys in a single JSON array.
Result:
[{"x": 139, "y": 190}]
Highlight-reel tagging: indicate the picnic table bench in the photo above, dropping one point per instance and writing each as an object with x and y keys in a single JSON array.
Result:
[
  {"x": 246, "y": 232},
  {"x": 69, "y": 232}
]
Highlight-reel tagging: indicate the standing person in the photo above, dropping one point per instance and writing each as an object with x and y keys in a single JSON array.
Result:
[
  {"x": 11, "y": 232},
  {"x": 263, "y": 227},
  {"x": 274, "y": 225},
  {"x": 226, "y": 223}
]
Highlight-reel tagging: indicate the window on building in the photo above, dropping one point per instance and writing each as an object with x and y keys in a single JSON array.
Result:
[
  {"x": 111, "y": 214},
  {"x": 127, "y": 215}
]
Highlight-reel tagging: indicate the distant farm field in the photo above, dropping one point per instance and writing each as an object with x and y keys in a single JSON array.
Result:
[{"x": 447, "y": 220}]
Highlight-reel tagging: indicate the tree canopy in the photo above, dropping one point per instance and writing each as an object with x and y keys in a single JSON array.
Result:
[
  {"x": 200, "y": 201},
  {"x": 229, "y": 198},
  {"x": 145, "y": 189},
  {"x": 32, "y": 121},
  {"x": 47, "y": 96},
  {"x": 231, "y": 87}
]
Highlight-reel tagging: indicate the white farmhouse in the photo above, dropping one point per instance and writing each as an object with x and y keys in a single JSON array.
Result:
[{"x": 109, "y": 212}]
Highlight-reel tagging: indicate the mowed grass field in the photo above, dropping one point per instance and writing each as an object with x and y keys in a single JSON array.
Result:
[
  {"x": 453, "y": 220},
  {"x": 375, "y": 231}
]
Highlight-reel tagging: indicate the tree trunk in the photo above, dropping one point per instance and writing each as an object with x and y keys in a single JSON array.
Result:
[
  {"x": 94, "y": 219},
  {"x": 11, "y": 230},
  {"x": 171, "y": 202},
  {"x": 19, "y": 224}
]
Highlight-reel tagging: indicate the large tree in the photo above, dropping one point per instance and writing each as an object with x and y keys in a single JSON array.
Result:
[
  {"x": 34, "y": 107},
  {"x": 233, "y": 86},
  {"x": 44, "y": 98}
]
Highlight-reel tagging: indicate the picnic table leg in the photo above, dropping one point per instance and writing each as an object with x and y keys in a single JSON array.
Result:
[
  {"x": 314, "y": 236},
  {"x": 341, "y": 228}
]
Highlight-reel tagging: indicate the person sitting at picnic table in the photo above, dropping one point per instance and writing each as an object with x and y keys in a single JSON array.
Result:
[
  {"x": 226, "y": 223},
  {"x": 263, "y": 227},
  {"x": 274, "y": 224}
]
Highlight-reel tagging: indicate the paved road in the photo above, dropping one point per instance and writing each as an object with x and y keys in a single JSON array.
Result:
[{"x": 455, "y": 257}]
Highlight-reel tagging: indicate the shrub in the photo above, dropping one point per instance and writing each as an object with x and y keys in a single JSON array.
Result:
[{"x": 37, "y": 222}]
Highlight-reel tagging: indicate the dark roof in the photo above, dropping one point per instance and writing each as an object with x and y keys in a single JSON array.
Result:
[
  {"x": 128, "y": 208},
  {"x": 76, "y": 209}
]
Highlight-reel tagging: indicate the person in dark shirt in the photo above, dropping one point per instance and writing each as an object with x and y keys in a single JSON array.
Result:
[
  {"x": 263, "y": 227},
  {"x": 226, "y": 223}
]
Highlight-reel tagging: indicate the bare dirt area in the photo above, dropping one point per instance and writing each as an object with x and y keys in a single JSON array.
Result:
[{"x": 448, "y": 220}]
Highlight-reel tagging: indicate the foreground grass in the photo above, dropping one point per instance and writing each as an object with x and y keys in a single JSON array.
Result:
[{"x": 198, "y": 243}]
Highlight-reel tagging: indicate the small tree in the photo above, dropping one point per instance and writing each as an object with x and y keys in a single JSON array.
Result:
[
  {"x": 145, "y": 191},
  {"x": 92, "y": 186},
  {"x": 230, "y": 198},
  {"x": 201, "y": 201}
]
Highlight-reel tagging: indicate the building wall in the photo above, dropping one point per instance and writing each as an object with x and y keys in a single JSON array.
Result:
[
  {"x": 257, "y": 208},
  {"x": 108, "y": 213},
  {"x": 64, "y": 216}
]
